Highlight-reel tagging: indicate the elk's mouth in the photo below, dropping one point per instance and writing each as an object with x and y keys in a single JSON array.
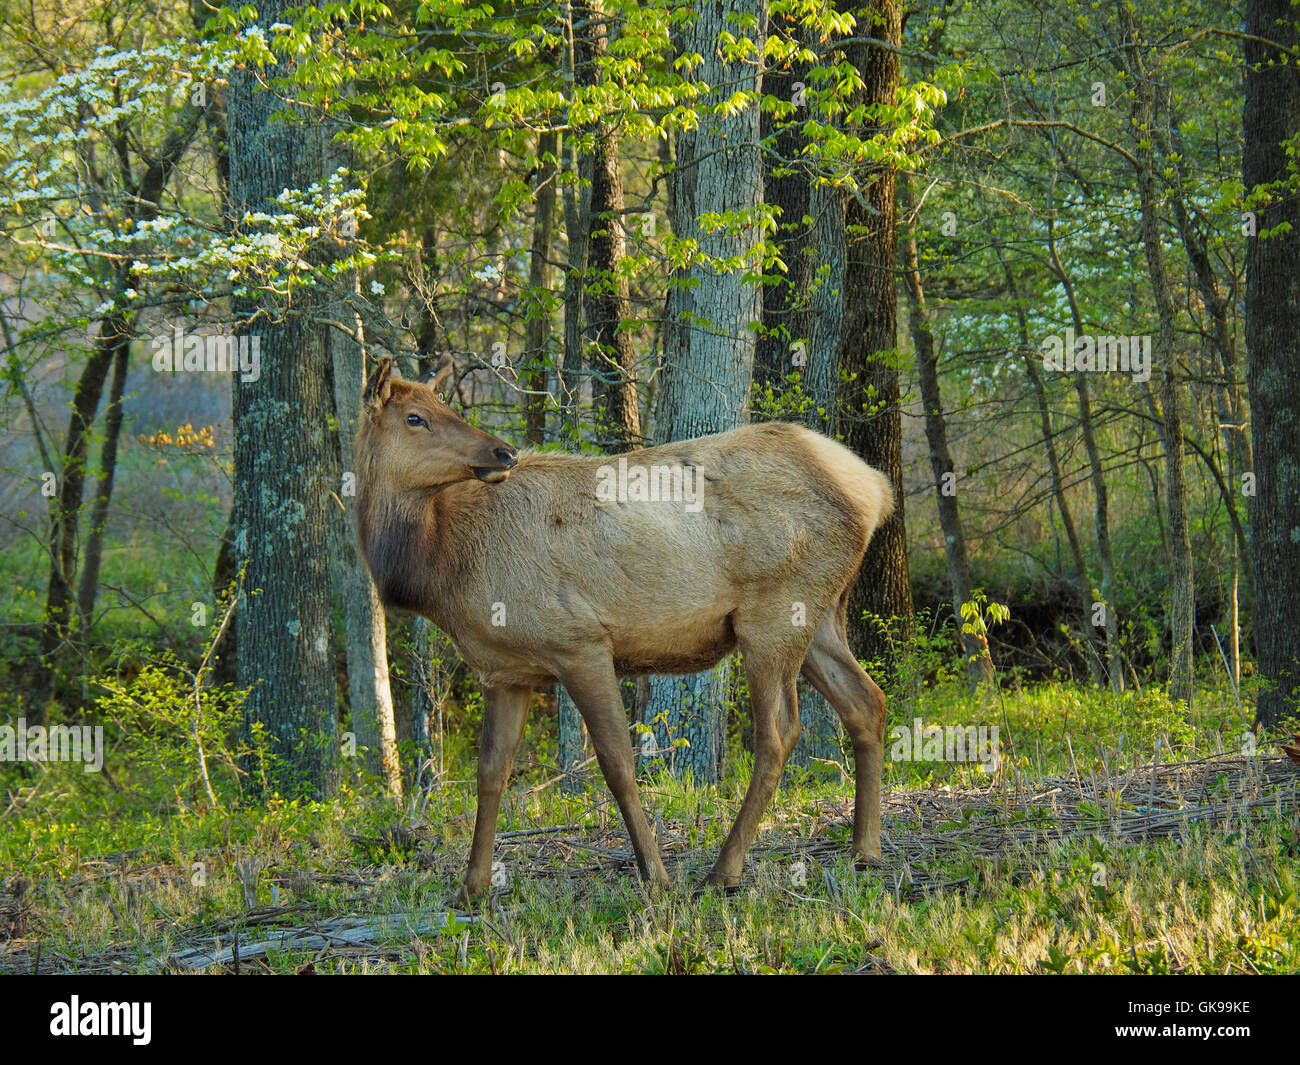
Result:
[{"x": 490, "y": 474}]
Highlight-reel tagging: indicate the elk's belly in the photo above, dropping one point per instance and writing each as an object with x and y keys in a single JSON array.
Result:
[{"x": 688, "y": 646}]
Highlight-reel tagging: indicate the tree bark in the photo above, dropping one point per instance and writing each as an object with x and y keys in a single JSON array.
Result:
[
  {"x": 538, "y": 326},
  {"x": 871, "y": 418},
  {"x": 802, "y": 313},
  {"x": 708, "y": 336},
  {"x": 370, "y": 697},
  {"x": 613, "y": 382},
  {"x": 281, "y": 425},
  {"x": 1271, "y": 116},
  {"x": 94, "y": 553}
]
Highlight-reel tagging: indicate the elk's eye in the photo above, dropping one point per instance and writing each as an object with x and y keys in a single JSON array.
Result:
[{"x": 414, "y": 419}]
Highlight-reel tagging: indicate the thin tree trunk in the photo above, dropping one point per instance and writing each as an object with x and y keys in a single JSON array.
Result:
[
  {"x": 580, "y": 53},
  {"x": 538, "y": 326},
  {"x": 115, "y": 331},
  {"x": 979, "y": 665},
  {"x": 1033, "y": 368},
  {"x": 414, "y": 700},
  {"x": 225, "y": 574},
  {"x": 94, "y": 552},
  {"x": 370, "y": 697},
  {"x": 1182, "y": 608},
  {"x": 1109, "y": 623},
  {"x": 66, "y": 513}
]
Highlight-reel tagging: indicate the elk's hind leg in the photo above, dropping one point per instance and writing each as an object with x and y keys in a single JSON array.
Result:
[
  {"x": 832, "y": 669},
  {"x": 593, "y": 686},
  {"x": 504, "y": 711},
  {"x": 774, "y": 702}
]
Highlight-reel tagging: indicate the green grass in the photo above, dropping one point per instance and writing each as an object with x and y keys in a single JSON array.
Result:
[{"x": 983, "y": 872}]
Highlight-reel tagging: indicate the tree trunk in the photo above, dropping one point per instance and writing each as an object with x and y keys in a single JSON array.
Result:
[
  {"x": 225, "y": 575},
  {"x": 94, "y": 552},
  {"x": 802, "y": 312},
  {"x": 979, "y": 666},
  {"x": 66, "y": 513},
  {"x": 871, "y": 419},
  {"x": 1033, "y": 367},
  {"x": 538, "y": 325},
  {"x": 1270, "y": 117},
  {"x": 708, "y": 336},
  {"x": 580, "y": 166},
  {"x": 281, "y": 426},
  {"x": 1182, "y": 607},
  {"x": 370, "y": 697},
  {"x": 1109, "y": 623},
  {"x": 614, "y": 396}
]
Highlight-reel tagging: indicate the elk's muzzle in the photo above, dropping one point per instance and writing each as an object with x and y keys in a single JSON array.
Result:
[{"x": 506, "y": 460}]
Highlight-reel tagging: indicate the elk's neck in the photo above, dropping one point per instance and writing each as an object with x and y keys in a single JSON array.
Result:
[{"x": 405, "y": 540}]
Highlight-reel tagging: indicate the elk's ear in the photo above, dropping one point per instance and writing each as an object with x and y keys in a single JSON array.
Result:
[
  {"x": 380, "y": 386},
  {"x": 441, "y": 378}
]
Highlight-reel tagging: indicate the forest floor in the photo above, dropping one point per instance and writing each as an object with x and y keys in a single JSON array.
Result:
[{"x": 1187, "y": 866}]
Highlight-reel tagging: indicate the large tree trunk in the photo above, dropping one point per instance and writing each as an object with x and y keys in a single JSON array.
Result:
[
  {"x": 281, "y": 423},
  {"x": 614, "y": 397},
  {"x": 979, "y": 666},
  {"x": 871, "y": 418},
  {"x": 802, "y": 313},
  {"x": 1271, "y": 116},
  {"x": 708, "y": 336}
]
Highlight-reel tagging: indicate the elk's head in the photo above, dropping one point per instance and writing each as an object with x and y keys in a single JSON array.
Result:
[{"x": 415, "y": 440}]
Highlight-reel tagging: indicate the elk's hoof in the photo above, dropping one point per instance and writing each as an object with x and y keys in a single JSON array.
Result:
[
  {"x": 467, "y": 901},
  {"x": 719, "y": 882},
  {"x": 871, "y": 861}
]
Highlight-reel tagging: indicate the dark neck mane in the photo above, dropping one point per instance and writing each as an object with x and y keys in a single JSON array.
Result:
[{"x": 401, "y": 539}]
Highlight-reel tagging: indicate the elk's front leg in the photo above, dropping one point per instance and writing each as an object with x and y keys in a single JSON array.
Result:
[
  {"x": 593, "y": 685},
  {"x": 504, "y": 710}
]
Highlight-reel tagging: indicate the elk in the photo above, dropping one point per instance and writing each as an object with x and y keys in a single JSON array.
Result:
[{"x": 537, "y": 576}]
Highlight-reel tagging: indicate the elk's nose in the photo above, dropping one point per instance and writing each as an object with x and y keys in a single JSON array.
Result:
[{"x": 506, "y": 456}]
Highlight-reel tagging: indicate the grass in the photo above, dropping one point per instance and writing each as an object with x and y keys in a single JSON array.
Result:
[{"x": 1080, "y": 853}]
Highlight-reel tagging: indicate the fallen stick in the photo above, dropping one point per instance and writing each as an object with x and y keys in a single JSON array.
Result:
[{"x": 348, "y": 931}]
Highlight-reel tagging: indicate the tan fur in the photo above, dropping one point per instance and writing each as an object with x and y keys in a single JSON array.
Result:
[{"x": 536, "y": 579}]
